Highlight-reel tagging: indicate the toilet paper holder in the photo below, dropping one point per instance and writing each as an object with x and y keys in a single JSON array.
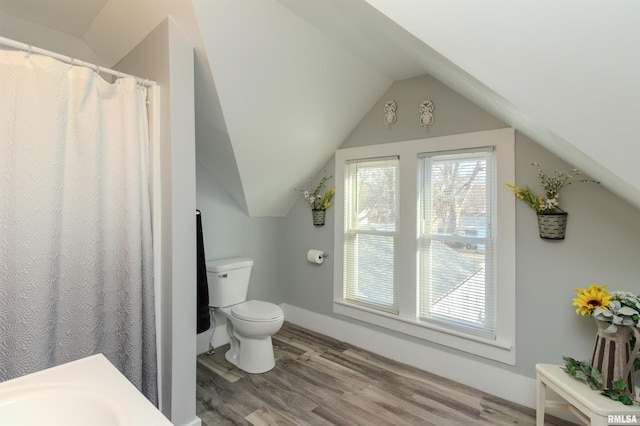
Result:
[{"x": 316, "y": 256}]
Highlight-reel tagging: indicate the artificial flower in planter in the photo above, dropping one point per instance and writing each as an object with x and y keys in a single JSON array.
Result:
[
  {"x": 618, "y": 308},
  {"x": 552, "y": 220},
  {"x": 615, "y": 355},
  {"x": 318, "y": 200}
]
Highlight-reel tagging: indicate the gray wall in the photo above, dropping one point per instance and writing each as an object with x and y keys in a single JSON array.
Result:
[
  {"x": 453, "y": 114},
  {"x": 307, "y": 285},
  {"x": 229, "y": 232},
  {"x": 603, "y": 234},
  {"x": 601, "y": 246}
]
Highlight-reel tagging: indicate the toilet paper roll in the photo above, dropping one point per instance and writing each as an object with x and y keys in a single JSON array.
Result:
[{"x": 316, "y": 256}]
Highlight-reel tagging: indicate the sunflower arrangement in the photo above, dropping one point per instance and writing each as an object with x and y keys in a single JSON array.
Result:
[
  {"x": 589, "y": 299},
  {"x": 617, "y": 308}
]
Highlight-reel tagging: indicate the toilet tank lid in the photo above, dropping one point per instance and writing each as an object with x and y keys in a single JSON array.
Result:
[{"x": 222, "y": 265}]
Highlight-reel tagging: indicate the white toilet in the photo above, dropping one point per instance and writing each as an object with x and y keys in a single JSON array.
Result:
[{"x": 250, "y": 324}]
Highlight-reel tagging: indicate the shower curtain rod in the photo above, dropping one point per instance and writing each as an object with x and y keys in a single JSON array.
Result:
[{"x": 69, "y": 60}]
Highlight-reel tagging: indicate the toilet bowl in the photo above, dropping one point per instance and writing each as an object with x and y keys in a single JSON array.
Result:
[{"x": 250, "y": 324}]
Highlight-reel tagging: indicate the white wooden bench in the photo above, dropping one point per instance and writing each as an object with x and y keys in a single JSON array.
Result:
[{"x": 586, "y": 404}]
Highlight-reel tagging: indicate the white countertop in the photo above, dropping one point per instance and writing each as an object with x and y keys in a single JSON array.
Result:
[{"x": 74, "y": 393}]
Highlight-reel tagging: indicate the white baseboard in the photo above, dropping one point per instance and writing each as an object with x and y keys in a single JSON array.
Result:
[
  {"x": 487, "y": 378},
  {"x": 195, "y": 422}
]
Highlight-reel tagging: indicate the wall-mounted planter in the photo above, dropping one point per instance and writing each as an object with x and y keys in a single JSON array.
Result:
[
  {"x": 552, "y": 226},
  {"x": 318, "y": 217}
]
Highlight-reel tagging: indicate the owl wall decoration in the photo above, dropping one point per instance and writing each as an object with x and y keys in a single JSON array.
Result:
[
  {"x": 390, "y": 112},
  {"x": 426, "y": 113}
]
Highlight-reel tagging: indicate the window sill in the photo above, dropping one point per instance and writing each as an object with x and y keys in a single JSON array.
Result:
[{"x": 500, "y": 350}]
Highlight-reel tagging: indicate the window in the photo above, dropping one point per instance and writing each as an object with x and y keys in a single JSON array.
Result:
[
  {"x": 425, "y": 240},
  {"x": 456, "y": 280},
  {"x": 371, "y": 234}
]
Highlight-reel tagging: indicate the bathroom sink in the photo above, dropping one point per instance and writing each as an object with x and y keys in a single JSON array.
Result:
[{"x": 59, "y": 405}]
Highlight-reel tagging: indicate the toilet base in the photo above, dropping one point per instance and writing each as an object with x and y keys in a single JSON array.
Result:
[
  {"x": 254, "y": 356},
  {"x": 251, "y": 346}
]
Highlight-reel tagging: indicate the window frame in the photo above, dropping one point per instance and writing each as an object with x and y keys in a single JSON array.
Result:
[
  {"x": 502, "y": 348},
  {"x": 426, "y": 162},
  {"x": 352, "y": 231}
]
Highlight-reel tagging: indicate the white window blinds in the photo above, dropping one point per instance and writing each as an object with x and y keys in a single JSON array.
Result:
[
  {"x": 455, "y": 246},
  {"x": 371, "y": 233}
]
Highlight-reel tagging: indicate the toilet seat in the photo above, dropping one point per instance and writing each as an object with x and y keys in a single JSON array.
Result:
[{"x": 256, "y": 311}]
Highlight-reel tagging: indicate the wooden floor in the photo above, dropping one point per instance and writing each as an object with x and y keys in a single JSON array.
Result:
[{"x": 321, "y": 381}]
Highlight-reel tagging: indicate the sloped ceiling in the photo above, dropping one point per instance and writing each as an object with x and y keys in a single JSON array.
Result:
[
  {"x": 69, "y": 16},
  {"x": 280, "y": 84},
  {"x": 290, "y": 94},
  {"x": 564, "y": 73}
]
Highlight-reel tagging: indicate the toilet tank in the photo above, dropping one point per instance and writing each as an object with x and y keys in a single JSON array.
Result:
[{"x": 228, "y": 280}]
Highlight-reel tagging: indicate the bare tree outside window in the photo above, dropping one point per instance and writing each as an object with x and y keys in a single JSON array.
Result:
[
  {"x": 376, "y": 197},
  {"x": 454, "y": 241},
  {"x": 371, "y": 234},
  {"x": 458, "y": 190}
]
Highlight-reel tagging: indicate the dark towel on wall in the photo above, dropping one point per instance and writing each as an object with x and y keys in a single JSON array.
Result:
[{"x": 202, "y": 308}]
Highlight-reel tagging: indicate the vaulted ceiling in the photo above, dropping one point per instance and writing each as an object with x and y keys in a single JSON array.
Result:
[{"x": 281, "y": 83}]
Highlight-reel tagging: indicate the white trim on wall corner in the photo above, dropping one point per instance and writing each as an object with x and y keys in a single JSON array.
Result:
[
  {"x": 195, "y": 422},
  {"x": 487, "y": 378}
]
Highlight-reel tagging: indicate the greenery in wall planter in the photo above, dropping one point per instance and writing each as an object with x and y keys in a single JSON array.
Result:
[
  {"x": 318, "y": 198},
  {"x": 552, "y": 220}
]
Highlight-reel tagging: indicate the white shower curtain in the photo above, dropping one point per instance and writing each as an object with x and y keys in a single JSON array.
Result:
[{"x": 75, "y": 232}]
